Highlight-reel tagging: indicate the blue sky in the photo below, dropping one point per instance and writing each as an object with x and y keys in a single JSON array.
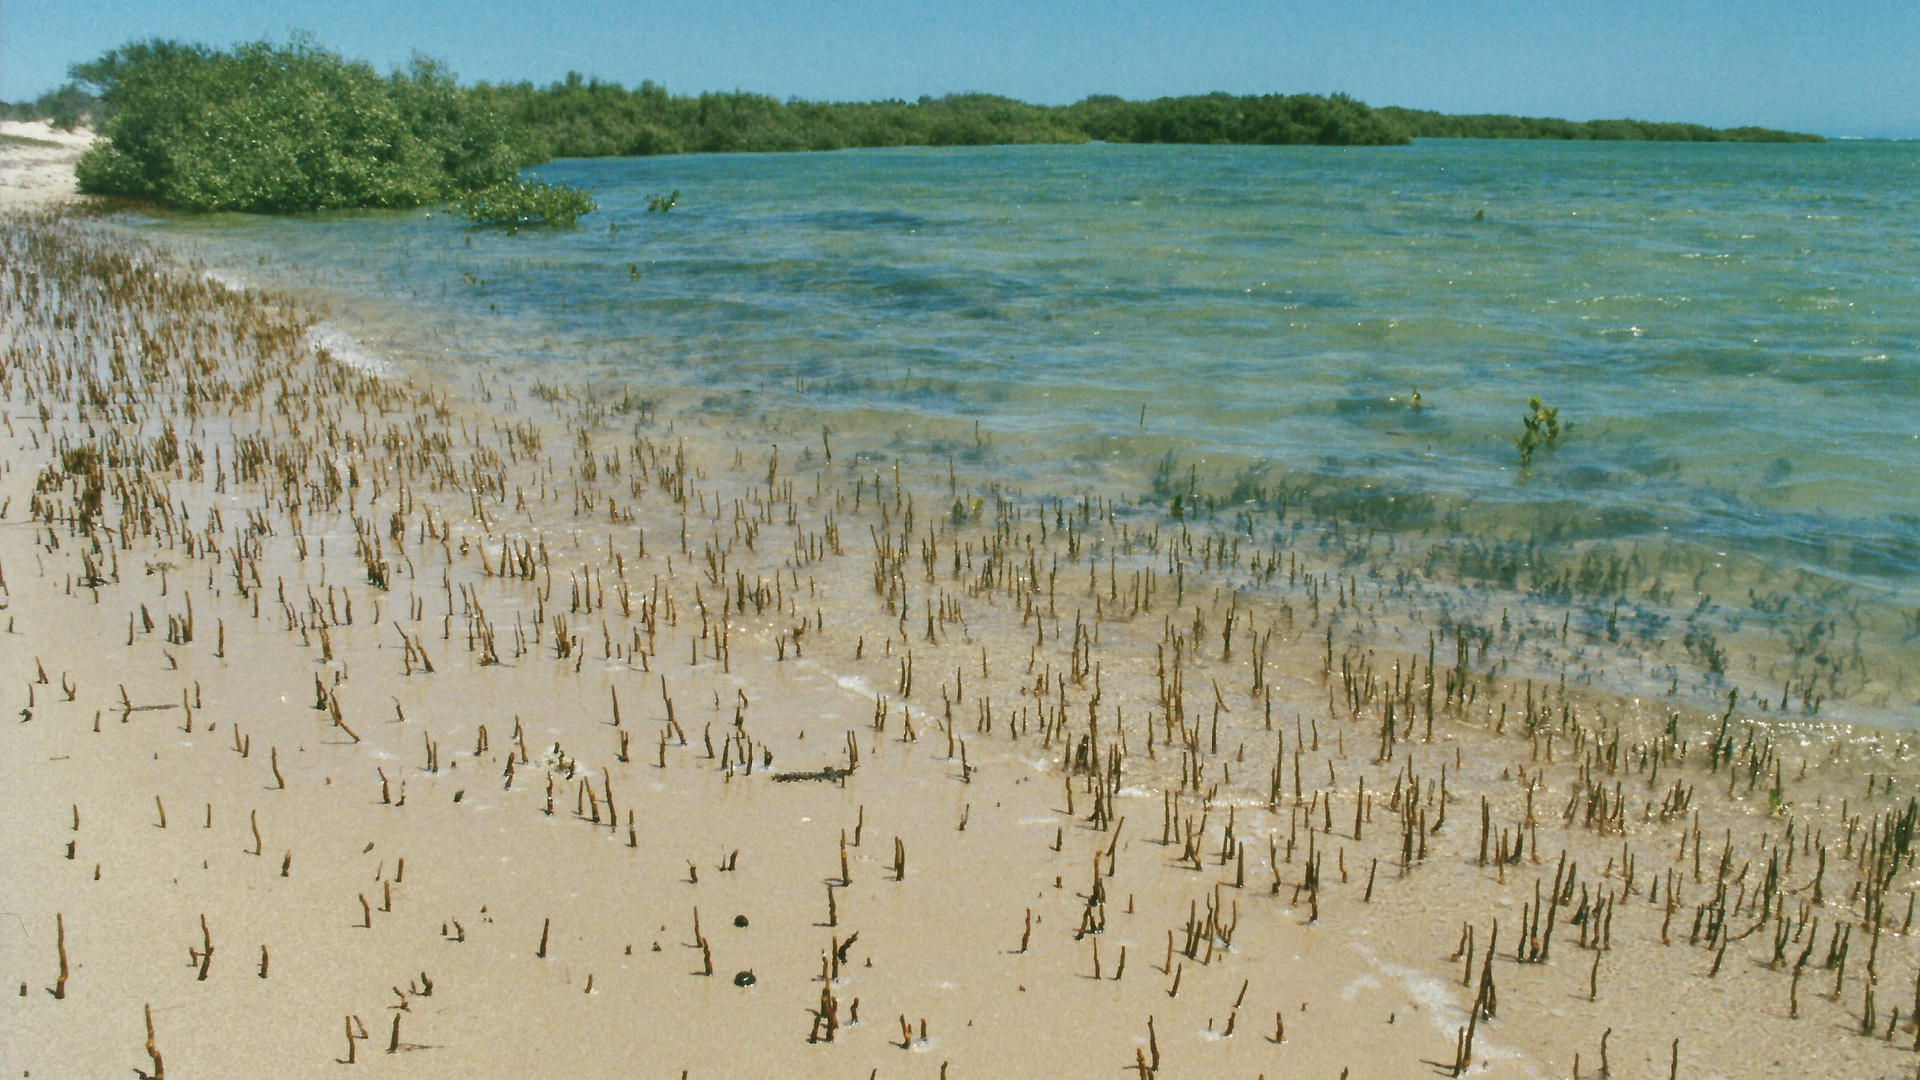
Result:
[{"x": 1847, "y": 68}]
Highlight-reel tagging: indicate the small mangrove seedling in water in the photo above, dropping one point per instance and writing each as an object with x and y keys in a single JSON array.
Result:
[
  {"x": 1541, "y": 431},
  {"x": 517, "y": 203}
]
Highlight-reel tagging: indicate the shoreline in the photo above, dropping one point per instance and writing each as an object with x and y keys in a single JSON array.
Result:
[
  {"x": 510, "y": 902},
  {"x": 1676, "y": 588}
]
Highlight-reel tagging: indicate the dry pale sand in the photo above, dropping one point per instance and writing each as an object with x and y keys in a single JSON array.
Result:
[
  {"x": 391, "y": 725},
  {"x": 36, "y": 164}
]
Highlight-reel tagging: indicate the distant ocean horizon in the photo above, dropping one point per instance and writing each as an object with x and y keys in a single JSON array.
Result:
[{"x": 1336, "y": 346}]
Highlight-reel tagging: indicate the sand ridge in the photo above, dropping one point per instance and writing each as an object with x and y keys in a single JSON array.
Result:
[{"x": 36, "y": 164}]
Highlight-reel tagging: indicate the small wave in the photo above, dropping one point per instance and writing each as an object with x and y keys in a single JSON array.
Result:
[{"x": 328, "y": 340}]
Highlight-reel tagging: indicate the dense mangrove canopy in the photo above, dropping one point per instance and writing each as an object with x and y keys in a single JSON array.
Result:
[{"x": 287, "y": 128}]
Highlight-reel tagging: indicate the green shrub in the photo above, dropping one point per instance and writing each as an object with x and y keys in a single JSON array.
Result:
[
  {"x": 1540, "y": 430},
  {"x": 527, "y": 202},
  {"x": 269, "y": 128}
]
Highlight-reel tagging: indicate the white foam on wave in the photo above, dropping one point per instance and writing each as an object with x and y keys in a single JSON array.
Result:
[{"x": 338, "y": 345}]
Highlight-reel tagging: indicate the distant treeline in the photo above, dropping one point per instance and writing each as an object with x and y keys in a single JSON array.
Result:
[
  {"x": 276, "y": 128},
  {"x": 589, "y": 118},
  {"x": 1422, "y": 124},
  {"x": 67, "y": 107}
]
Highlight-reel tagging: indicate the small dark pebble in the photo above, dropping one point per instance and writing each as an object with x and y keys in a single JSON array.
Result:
[
  {"x": 739, "y": 920},
  {"x": 744, "y": 978}
]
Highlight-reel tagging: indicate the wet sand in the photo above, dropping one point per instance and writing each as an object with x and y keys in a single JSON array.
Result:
[{"x": 543, "y": 733}]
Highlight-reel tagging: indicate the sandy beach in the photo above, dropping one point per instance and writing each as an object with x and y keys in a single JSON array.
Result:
[
  {"x": 546, "y": 734},
  {"x": 36, "y": 163}
]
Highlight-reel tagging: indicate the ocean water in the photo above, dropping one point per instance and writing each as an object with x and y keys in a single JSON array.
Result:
[{"x": 1334, "y": 346}]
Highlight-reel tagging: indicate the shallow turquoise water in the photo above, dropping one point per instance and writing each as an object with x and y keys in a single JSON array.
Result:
[{"x": 1732, "y": 334}]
